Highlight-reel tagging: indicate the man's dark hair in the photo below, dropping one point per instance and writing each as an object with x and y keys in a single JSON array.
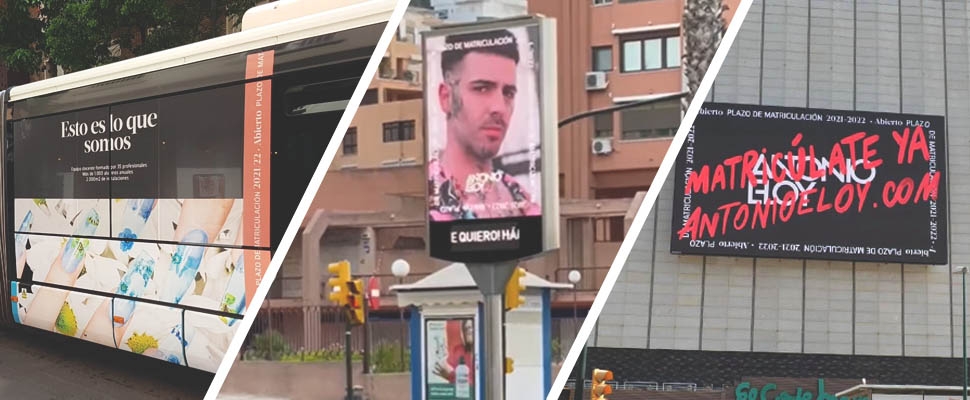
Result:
[{"x": 509, "y": 50}]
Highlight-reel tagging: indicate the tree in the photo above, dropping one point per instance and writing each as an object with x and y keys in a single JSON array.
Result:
[
  {"x": 80, "y": 34},
  {"x": 21, "y": 36},
  {"x": 703, "y": 29}
]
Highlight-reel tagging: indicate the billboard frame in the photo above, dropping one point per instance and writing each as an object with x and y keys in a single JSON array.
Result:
[{"x": 547, "y": 91}]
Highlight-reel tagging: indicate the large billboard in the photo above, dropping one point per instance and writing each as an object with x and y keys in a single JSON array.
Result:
[
  {"x": 781, "y": 182},
  {"x": 491, "y": 140}
]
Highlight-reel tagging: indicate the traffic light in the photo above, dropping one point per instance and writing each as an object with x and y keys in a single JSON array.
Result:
[
  {"x": 600, "y": 388},
  {"x": 357, "y": 315},
  {"x": 514, "y": 289},
  {"x": 340, "y": 272},
  {"x": 509, "y": 365}
]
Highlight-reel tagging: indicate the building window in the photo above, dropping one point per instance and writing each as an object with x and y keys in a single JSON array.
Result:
[
  {"x": 632, "y": 56},
  {"x": 370, "y": 97},
  {"x": 603, "y": 125},
  {"x": 660, "y": 120},
  {"x": 628, "y": 192},
  {"x": 601, "y": 2},
  {"x": 673, "y": 52},
  {"x": 409, "y": 243},
  {"x": 603, "y": 58},
  {"x": 350, "y": 142},
  {"x": 610, "y": 229},
  {"x": 398, "y": 131},
  {"x": 651, "y": 52}
]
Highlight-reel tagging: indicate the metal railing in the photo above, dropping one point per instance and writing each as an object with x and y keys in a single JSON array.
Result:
[
  {"x": 293, "y": 330},
  {"x": 645, "y": 385}
]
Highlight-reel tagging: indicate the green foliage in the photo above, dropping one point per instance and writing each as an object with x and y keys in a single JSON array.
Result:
[
  {"x": 334, "y": 352},
  {"x": 387, "y": 359},
  {"x": 384, "y": 358},
  {"x": 80, "y": 34},
  {"x": 556, "y": 350},
  {"x": 21, "y": 37},
  {"x": 269, "y": 345}
]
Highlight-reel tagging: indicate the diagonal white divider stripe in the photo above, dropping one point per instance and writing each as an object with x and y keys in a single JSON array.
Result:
[
  {"x": 648, "y": 202},
  {"x": 246, "y": 323}
]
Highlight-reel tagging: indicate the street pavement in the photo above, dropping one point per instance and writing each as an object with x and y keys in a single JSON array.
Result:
[{"x": 40, "y": 365}]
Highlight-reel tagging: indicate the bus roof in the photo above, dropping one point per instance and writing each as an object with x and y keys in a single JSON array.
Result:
[{"x": 351, "y": 16}]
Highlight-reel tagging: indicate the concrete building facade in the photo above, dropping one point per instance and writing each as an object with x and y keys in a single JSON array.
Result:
[{"x": 803, "y": 317}]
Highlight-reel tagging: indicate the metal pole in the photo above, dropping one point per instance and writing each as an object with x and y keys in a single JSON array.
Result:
[
  {"x": 494, "y": 359},
  {"x": 492, "y": 280},
  {"x": 366, "y": 328},
  {"x": 350, "y": 370},
  {"x": 964, "y": 334},
  {"x": 401, "y": 310},
  {"x": 575, "y": 313},
  {"x": 580, "y": 377},
  {"x": 269, "y": 312}
]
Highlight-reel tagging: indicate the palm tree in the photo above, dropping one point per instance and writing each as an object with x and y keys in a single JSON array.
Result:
[{"x": 703, "y": 28}]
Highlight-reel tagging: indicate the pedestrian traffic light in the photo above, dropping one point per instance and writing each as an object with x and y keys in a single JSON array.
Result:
[
  {"x": 356, "y": 302},
  {"x": 340, "y": 272},
  {"x": 514, "y": 289},
  {"x": 600, "y": 388}
]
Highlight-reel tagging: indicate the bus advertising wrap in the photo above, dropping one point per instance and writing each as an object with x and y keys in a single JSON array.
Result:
[
  {"x": 764, "y": 181},
  {"x": 491, "y": 158},
  {"x": 152, "y": 203}
]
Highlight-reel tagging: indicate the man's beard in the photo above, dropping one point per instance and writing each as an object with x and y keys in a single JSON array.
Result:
[{"x": 484, "y": 151}]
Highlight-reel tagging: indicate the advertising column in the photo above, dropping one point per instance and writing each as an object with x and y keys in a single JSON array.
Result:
[
  {"x": 492, "y": 170},
  {"x": 492, "y": 163}
]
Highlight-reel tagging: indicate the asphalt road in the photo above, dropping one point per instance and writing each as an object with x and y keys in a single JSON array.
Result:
[{"x": 40, "y": 365}]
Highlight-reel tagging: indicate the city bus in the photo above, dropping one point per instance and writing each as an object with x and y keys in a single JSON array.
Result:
[{"x": 142, "y": 200}]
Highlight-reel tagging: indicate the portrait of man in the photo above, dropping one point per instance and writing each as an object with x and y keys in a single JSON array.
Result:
[{"x": 476, "y": 99}]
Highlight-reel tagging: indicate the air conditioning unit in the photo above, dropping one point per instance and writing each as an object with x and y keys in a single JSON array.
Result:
[
  {"x": 602, "y": 146},
  {"x": 596, "y": 80}
]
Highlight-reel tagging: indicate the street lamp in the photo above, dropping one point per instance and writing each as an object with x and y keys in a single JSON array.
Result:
[
  {"x": 574, "y": 277},
  {"x": 400, "y": 268},
  {"x": 963, "y": 271}
]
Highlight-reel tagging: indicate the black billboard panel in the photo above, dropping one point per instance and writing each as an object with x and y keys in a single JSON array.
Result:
[{"x": 764, "y": 181}]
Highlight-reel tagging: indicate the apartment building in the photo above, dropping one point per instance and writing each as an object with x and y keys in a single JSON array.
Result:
[{"x": 371, "y": 207}]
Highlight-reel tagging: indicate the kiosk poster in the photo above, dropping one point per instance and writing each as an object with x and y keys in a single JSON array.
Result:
[
  {"x": 489, "y": 166},
  {"x": 450, "y": 353},
  {"x": 764, "y": 181}
]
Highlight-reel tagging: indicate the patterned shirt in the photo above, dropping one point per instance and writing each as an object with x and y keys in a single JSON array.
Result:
[{"x": 450, "y": 200}]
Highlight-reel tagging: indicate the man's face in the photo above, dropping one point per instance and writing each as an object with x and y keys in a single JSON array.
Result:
[{"x": 479, "y": 95}]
